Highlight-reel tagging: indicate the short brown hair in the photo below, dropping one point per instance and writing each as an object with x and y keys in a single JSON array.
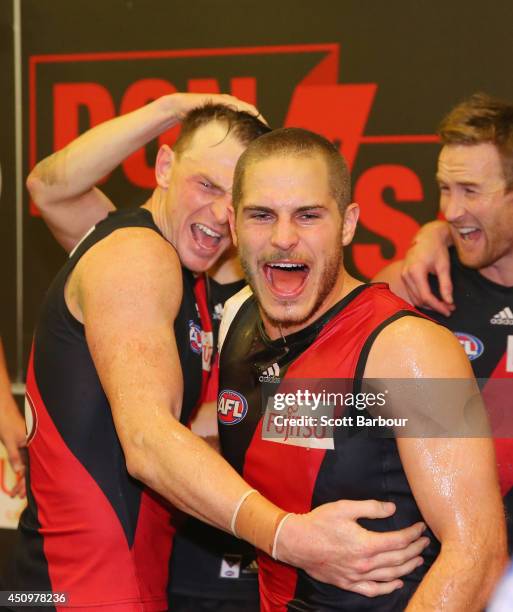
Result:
[
  {"x": 296, "y": 142},
  {"x": 482, "y": 119},
  {"x": 244, "y": 126}
]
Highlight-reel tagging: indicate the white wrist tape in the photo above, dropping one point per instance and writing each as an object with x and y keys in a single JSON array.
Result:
[
  {"x": 237, "y": 508},
  {"x": 277, "y": 533}
]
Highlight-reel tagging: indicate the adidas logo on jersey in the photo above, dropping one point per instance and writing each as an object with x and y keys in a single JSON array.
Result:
[
  {"x": 504, "y": 317},
  {"x": 270, "y": 374}
]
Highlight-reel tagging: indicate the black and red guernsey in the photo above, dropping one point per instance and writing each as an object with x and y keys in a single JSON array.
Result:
[
  {"x": 90, "y": 530},
  {"x": 298, "y": 478},
  {"x": 483, "y": 323},
  {"x": 208, "y": 563}
]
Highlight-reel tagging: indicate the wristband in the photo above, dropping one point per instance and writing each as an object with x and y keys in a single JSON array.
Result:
[
  {"x": 257, "y": 522},
  {"x": 237, "y": 508},
  {"x": 277, "y": 533}
]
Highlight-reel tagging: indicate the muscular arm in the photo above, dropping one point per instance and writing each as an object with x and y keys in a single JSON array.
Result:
[
  {"x": 128, "y": 313},
  {"x": 63, "y": 185},
  {"x": 466, "y": 517}
]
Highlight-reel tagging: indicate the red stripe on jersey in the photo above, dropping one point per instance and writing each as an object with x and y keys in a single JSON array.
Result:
[
  {"x": 297, "y": 469},
  {"x": 501, "y": 417},
  {"x": 213, "y": 382},
  {"x": 152, "y": 548},
  {"x": 84, "y": 543},
  {"x": 200, "y": 293}
]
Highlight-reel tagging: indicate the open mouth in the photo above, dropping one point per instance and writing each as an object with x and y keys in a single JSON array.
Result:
[
  {"x": 205, "y": 237},
  {"x": 286, "y": 279},
  {"x": 469, "y": 233}
]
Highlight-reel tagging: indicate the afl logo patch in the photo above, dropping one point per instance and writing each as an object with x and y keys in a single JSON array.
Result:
[
  {"x": 232, "y": 407},
  {"x": 195, "y": 337},
  {"x": 472, "y": 345}
]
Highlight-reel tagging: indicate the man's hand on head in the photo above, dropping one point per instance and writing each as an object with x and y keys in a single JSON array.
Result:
[
  {"x": 337, "y": 550},
  {"x": 185, "y": 102},
  {"x": 429, "y": 255}
]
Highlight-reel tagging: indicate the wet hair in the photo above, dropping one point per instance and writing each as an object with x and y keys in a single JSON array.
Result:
[
  {"x": 296, "y": 142},
  {"x": 244, "y": 126},
  {"x": 482, "y": 119}
]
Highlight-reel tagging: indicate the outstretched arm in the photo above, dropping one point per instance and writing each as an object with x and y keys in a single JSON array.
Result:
[
  {"x": 63, "y": 185},
  {"x": 454, "y": 480},
  {"x": 124, "y": 289}
]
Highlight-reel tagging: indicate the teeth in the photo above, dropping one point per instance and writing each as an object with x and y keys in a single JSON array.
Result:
[
  {"x": 467, "y": 230},
  {"x": 206, "y": 230},
  {"x": 287, "y": 266}
]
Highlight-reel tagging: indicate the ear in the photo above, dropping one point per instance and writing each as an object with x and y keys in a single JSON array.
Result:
[
  {"x": 351, "y": 215},
  {"x": 231, "y": 221},
  {"x": 163, "y": 165}
]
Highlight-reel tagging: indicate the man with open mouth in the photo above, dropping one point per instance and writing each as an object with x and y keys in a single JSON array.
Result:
[
  {"x": 474, "y": 295},
  {"x": 307, "y": 319}
]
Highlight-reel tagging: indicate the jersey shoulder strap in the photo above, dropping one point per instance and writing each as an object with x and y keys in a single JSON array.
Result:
[{"x": 231, "y": 308}]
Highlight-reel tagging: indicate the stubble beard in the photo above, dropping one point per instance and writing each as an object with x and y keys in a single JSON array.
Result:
[{"x": 328, "y": 279}]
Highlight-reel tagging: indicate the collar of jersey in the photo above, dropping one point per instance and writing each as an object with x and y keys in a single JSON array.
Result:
[{"x": 312, "y": 330}]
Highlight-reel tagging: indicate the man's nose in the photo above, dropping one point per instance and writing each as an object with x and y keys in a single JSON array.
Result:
[
  {"x": 452, "y": 206},
  {"x": 284, "y": 235},
  {"x": 220, "y": 208}
]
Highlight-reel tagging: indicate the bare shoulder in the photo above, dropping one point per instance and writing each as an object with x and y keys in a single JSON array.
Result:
[
  {"x": 415, "y": 347},
  {"x": 131, "y": 267},
  {"x": 133, "y": 250}
]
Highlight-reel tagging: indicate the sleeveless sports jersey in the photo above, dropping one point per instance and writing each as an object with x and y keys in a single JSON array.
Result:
[
  {"x": 90, "y": 529},
  {"x": 299, "y": 478},
  {"x": 483, "y": 323},
  {"x": 206, "y": 562}
]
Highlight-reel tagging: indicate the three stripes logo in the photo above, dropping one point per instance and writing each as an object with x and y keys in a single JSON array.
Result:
[
  {"x": 270, "y": 374},
  {"x": 504, "y": 317}
]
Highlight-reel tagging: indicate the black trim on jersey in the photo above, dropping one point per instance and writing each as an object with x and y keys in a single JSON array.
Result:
[
  {"x": 364, "y": 354},
  {"x": 299, "y": 336},
  {"x": 118, "y": 219}
]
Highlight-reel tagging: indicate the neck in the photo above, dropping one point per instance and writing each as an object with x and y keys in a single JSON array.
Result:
[
  {"x": 158, "y": 207},
  {"x": 500, "y": 272},
  {"x": 344, "y": 285}
]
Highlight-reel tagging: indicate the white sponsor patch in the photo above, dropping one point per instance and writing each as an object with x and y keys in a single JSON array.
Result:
[{"x": 297, "y": 427}]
